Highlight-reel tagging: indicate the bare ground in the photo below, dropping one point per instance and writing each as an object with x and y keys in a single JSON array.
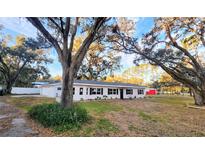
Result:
[{"x": 140, "y": 117}]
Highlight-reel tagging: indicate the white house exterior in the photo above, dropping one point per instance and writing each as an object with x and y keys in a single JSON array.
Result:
[{"x": 87, "y": 90}]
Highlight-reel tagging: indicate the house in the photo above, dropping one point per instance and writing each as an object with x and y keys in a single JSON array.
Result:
[{"x": 87, "y": 89}]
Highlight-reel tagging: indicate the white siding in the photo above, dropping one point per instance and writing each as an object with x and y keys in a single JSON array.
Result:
[
  {"x": 87, "y": 96},
  {"x": 21, "y": 90}
]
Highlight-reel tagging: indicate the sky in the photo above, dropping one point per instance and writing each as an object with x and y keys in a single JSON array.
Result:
[{"x": 16, "y": 26}]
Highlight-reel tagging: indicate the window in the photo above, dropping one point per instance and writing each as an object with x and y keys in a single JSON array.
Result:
[
  {"x": 140, "y": 92},
  {"x": 59, "y": 88},
  {"x": 109, "y": 91},
  {"x": 81, "y": 91},
  {"x": 112, "y": 91},
  {"x": 73, "y": 91},
  {"x": 86, "y": 91},
  {"x": 92, "y": 91},
  {"x": 129, "y": 91},
  {"x": 96, "y": 91}
]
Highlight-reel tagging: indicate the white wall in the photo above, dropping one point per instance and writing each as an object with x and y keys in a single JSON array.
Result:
[
  {"x": 77, "y": 96},
  {"x": 85, "y": 96},
  {"x": 21, "y": 90},
  {"x": 49, "y": 92},
  {"x": 134, "y": 95}
]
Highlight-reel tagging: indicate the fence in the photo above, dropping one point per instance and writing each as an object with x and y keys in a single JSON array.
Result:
[{"x": 21, "y": 90}]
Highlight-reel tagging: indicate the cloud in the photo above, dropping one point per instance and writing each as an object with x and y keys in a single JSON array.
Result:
[{"x": 19, "y": 25}]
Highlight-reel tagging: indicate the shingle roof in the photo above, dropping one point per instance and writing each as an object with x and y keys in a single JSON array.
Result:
[{"x": 116, "y": 84}]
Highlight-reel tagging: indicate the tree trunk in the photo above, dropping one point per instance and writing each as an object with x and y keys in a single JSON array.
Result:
[
  {"x": 67, "y": 88},
  {"x": 8, "y": 87},
  {"x": 190, "y": 92},
  {"x": 199, "y": 97}
]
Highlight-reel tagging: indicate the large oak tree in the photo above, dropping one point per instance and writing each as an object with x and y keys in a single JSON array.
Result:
[
  {"x": 61, "y": 33},
  {"x": 176, "y": 45},
  {"x": 22, "y": 61}
]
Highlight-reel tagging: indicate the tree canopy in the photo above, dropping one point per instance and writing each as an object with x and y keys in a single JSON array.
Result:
[
  {"x": 174, "y": 44},
  {"x": 22, "y": 61},
  {"x": 61, "y": 32}
]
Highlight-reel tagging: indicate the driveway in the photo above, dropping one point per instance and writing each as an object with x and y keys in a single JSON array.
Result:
[{"x": 13, "y": 122}]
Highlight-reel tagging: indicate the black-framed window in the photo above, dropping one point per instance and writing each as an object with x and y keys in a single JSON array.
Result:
[
  {"x": 81, "y": 91},
  {"x": 59, "y": 88},
  {"x": 86, "y": 91},
  {"x": 140, "y": 91},
  {"x": 73, "y": 91},
  {"x": 112, "y": 91},
  {"x": 92, "y": 91},
  {"x": 109, "y": 91},
  {"x": 129, "y": 91},
  {"x": 101, "y": 91},
  {"x": 96, "y": 91}
]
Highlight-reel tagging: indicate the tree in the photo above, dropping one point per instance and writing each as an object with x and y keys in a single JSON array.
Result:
[
  {"x": 174, "y": 44},
  {"x": 136, "y": 75},
  {"x": 61, "y": 33},
  {"x": 146, "y": 72},
  {"x": 57, "y": 78},
  {"x": 21, "y": 61},
  {"x": 98, "y": 62},
  {"x": 30, "y": 74},
  {"x": 124, "y": 79},
  {"x": 169, "y": 85}
]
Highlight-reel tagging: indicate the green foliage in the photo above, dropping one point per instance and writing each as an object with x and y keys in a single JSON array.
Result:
[
  {"x": 22, "y": 62},
  {"x": 61, "y": 119}
]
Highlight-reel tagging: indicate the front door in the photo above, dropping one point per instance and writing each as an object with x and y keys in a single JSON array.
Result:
[{"x": 121, "y": 93}]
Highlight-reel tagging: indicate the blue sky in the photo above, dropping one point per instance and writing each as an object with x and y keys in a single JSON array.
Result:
[{"x": 16, "y": 26}]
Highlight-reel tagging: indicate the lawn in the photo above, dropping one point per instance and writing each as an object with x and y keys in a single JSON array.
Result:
[
  {"x": 152, "y": 116},
  {"x": 25, "y": 103}
]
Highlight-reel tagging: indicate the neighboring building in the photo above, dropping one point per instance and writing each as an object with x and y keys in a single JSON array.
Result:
[
  {"x": 151, "y": 91},
  {"x": 86, "y": 89},
  {"x": 39, "y": 84}
]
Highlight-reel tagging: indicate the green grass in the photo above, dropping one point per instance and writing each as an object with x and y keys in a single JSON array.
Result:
[
  {"x": 100, "y": 107},
  {"x": 106, "y": 125},
  {"x": 172, "y": 100},
  {"x": 26, "y": 103},
  {"x": 151, "y": 117}
]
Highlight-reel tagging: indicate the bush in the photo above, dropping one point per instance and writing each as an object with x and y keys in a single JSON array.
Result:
[{"x": 53, "y": 115}]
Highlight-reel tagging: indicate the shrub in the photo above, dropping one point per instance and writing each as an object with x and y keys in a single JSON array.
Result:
[{"x": 53, "y": 115}]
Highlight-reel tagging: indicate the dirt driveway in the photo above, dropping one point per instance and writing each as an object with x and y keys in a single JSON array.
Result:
[{"x": 13, "y": 122}]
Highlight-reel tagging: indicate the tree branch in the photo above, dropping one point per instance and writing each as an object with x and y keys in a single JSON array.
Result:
[
  {"x": 87, "y": 42},
  {"x": 73, "y": 35},
  {"x": 36, "y": 23},
  {"x": 175, "y": 44}
]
